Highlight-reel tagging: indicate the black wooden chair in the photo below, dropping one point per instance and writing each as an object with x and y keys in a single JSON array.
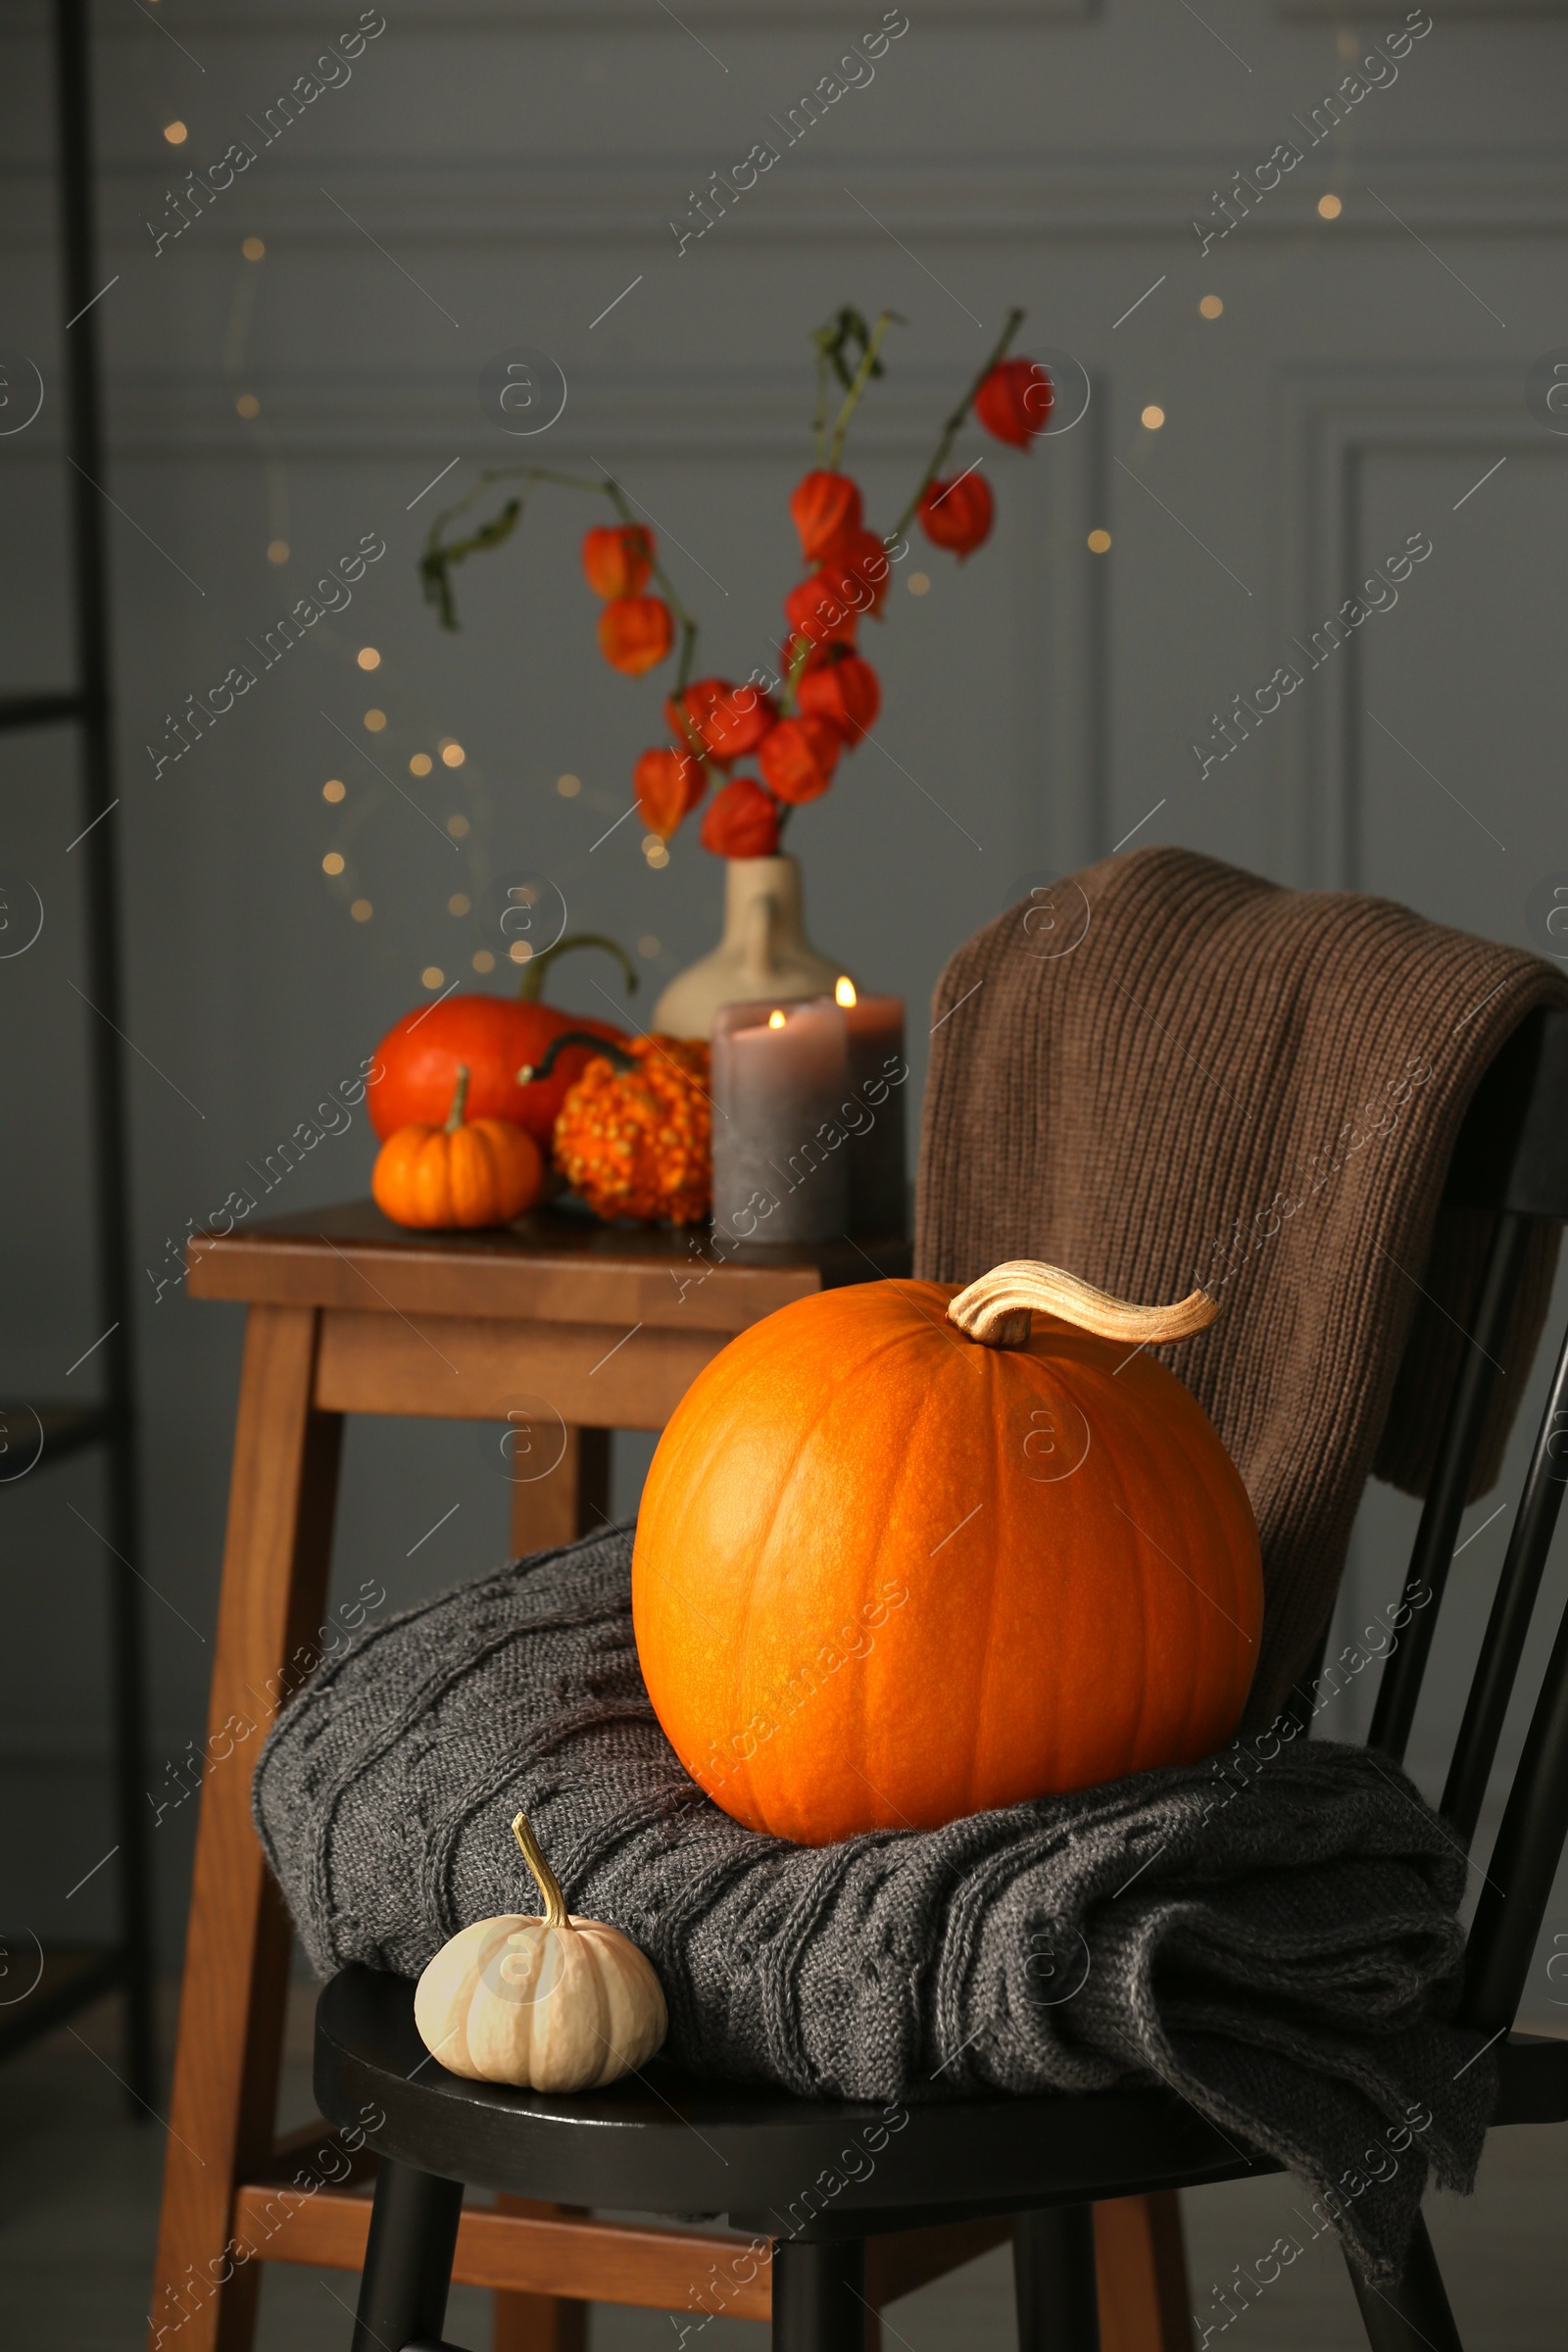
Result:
[{"x": 817, "y": 2179}]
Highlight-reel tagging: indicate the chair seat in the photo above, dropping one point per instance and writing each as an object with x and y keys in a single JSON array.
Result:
[{"x": 667, "y": 2141}]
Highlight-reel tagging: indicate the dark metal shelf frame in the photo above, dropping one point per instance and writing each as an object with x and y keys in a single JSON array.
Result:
[{"x": 125, "y": 1965}]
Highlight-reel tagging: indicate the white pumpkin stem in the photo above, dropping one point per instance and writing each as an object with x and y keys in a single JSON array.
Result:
[
  {"x": 996, "y": 1309},
  {"x": 544, "y": 1878}
]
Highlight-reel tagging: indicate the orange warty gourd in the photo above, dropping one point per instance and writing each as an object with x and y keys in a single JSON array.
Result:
[
  {"x": 634, "y": 1137},
  {"x": 901, "y": 1557},
  {"x": 469, "y": 1172}
]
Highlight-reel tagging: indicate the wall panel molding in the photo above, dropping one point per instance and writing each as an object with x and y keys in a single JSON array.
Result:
[
  {"x": 491, "y": 202},
  {"x": 693, "y": 412},
  {"x": 457, "y": 203},
  {"x": 1333, "y": 423},
  {"x": 845, "y": 20}
]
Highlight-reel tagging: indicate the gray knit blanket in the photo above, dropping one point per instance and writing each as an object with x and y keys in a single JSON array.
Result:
[{"x": 1273, "y": 1934}]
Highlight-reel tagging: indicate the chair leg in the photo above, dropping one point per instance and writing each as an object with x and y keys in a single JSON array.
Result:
[
  {"x": 1414, "y": 2316},
  {"x": 408, "y": 2261},
  {"x": 819, "y": 2296},
  {"x": 1054, "y": 2274}
]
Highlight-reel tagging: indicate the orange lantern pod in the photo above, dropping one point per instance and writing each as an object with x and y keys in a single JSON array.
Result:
[
  {"x": 738, "y": 723},
  {"x": 469, "y": 1172},
  {"x": 1015, "y": 401},
  {"x": 742, "y": 821},
  {"x": 816, "y": 610},
  {"x": 668, "y": 784},
  {"x": 861, "y": 571},
  {"x": 957, "y": 514},
  {"x": 843, "y": 690},
  {"x": 635, "y": 633},
  {"x": 720, "y": 720},
  {"x": 618, "y": 559},
  {"x": 798, "y": 759},
  {"x": 826, "y": 511},
  {"x": 905, "y": 1556},
  {"x": 804, "y": 653},
  {"x": 688, "y": 714}
]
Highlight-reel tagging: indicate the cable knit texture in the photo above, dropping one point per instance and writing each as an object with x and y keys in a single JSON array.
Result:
[
  {"x": 1275, "y": 1937},
  {"x": 1166, "y": 1072}
]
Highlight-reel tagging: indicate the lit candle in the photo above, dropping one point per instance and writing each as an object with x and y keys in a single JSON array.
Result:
[
  {"x": 780, "y": 1079},
  {"x": 874, "y": 1112}
]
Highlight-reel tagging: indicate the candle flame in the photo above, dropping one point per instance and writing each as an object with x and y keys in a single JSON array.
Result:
[
  {"x": 775, "y": 1020},
  {"x": 845, "y": 994}
]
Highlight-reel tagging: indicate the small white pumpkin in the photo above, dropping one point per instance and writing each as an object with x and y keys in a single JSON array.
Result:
[{"x": 557, "y": 2003}]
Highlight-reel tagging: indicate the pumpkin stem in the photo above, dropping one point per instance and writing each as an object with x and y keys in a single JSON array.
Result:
[
  {"x": 459, "y": 1101},
  {"x": 615, "y": 1055},
  {"x": 544, "y": 1878},
  {"x": 536, "y": 970},
  {"x": 995, "y": 1310}
]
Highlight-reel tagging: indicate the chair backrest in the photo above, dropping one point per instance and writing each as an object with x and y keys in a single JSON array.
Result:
[{"x": 1513, "y": 1158}]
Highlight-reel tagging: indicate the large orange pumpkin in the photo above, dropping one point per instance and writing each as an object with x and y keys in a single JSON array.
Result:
[
  {"x": 901, "y": 1558},
  {"x": 492, "y": 1038}
]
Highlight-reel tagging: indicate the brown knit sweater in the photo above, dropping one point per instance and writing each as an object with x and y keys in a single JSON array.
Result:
[{"x": 1171, "y": 1072}]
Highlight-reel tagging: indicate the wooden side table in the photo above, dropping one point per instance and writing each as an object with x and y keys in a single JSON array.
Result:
[{"x": 570, "y": 1329}]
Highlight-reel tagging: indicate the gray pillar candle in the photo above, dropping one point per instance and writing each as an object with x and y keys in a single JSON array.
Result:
[
  {"x": 875, "y": 1111},
  {"x": 780, "y": 1079}
]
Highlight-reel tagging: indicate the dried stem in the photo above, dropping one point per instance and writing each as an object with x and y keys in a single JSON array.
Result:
[
  {"x": 531, "y": 987},
  {"x": 436, "y": 564},
  {"x": 544, "y": 1878},
  {"x": 954, "y": 423},
  {"x": 862, "y": 376},
  {"x": 995, "y": 1310},
  {"x": 440, "y": 555}
]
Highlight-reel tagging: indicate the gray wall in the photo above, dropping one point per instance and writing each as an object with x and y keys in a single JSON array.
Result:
[{"x": 512, "y": 168}]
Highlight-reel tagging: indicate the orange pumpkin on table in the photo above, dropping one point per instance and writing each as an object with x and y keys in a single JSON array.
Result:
[
  {"x": 902, "y": 1558},
  {"x": 467, "y": 1172},
  {"x": 492, "y": 1037}
]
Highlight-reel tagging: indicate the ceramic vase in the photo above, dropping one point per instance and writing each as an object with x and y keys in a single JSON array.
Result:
[{"x": 764, "y": 950}]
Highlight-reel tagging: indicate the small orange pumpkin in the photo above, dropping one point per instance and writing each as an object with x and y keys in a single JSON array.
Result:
[
  {"x": 634, "y": 1136},
  {"x": 469, "y": 1172},
  {"x": 901, "y": 1558}
]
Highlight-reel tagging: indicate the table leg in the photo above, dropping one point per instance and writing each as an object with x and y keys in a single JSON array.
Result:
[
  {"x": 1141, "y": 2259},
  {"x": 538, "y": 2323},
  {"x": 223, "y": 2108},
  {"x": 570, "y": 1500}
]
